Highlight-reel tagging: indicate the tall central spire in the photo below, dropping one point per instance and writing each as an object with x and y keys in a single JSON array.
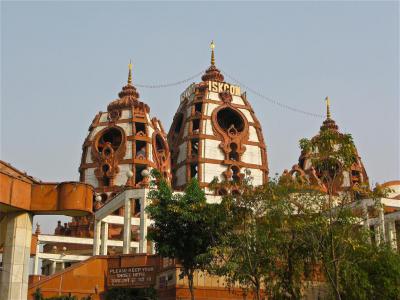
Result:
[
  {"x": 128, "y": 96},
  {"x": 212, "y": 73},
  {"x": 212, "y": 46},
  {"x": 328, "y": 123},
  {"x": 328, "y": 111},
  {"x": 130, "y": 72}
]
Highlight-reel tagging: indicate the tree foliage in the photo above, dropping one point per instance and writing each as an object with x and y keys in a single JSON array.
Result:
[
  {"x": 334, "y": 229},
  {"x": 372, "y": 273},
  {"x": 280, "y": 236},
  {"x": 131, "y": 293},
  {"x": 272, "y": 240},
  {"x": 185, "y": 225},
  {"x": 261, "y": 247}
]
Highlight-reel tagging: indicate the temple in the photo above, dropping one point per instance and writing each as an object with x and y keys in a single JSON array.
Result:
[
  {"x": 306, "y": 172},
  {"x": 215, "y": 135}
]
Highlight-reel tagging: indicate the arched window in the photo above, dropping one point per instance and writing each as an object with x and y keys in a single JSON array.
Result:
[
  {"x": 235, "y": 173},
  {"x": 230, "y": 120},
  {"x": 233, "y": 154},
  {"x": 111, "y": 137}
]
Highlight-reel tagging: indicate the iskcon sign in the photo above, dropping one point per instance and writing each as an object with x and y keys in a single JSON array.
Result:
[
  {"x": 220, "y": 87},
  {"x": 213, "y": 86}
]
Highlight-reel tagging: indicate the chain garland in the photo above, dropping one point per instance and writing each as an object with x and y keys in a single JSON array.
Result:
[
  {"x": 294, "y": 109},
  {"x": 255, "y": 92},
  {"x": 164, "y": 85}
]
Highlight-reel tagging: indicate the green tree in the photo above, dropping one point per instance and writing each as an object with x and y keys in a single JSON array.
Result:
[
  {"x": 63, "y": 297},
  {"x": 333, "y": 227},
  {"x": 373, "y": 273},
  {"x": 131, "y": 293},
  {"x": 37, "y": 295},
  {"x": 185, "y": 226},
  {"x": 261, "y": 247}
]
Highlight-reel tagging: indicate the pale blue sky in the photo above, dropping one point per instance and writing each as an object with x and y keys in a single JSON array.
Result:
[{"x": 63, "y": 62}]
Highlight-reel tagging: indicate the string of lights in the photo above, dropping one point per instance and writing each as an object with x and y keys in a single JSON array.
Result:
[
  {"x": 251, "y": 90},
  {"x": 165, "y": 85},
  {"x": 255, "y": 92}
]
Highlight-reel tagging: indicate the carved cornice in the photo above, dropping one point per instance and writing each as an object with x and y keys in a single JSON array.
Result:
[
  {"x": 128, "y": 97},
  {"x": 329, "y": 124},
  {"x": 212, "y": 74}
]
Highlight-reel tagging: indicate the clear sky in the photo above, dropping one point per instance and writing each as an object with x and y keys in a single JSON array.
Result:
[{"x": 62, "y": 62}]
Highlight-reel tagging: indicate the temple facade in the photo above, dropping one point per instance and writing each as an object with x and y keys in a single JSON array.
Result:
[{"x": 215, "y": 136}]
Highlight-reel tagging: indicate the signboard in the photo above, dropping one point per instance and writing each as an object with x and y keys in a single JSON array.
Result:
[
  {"x": 131, "y": 276},
  {"x": 219, "y": 87}
]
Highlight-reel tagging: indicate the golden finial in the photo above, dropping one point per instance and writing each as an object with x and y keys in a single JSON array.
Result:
[
  {"x": 212, "y": 46},
  {"x": 130, "y": 72},
  {"x": 328, "y": 111}
]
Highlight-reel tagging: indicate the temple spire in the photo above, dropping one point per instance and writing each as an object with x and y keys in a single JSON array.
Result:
[
  {"x": 328, "y": 123},
  {"x": 212, "y": 46},
  {"x": 328, "y": 111},
  {"x": 130, "y": 72},
  {"x": 212, "y": 73}
]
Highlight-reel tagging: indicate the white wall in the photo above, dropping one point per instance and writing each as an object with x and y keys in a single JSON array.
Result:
[
  {"x": 213, "y": 170},
  {"x": 182, "y": 152},
  {"x": 252, "y": 155},
  {"x": 90, "y": 178},
  {"x": 181, "y": 176},
  {"x": 247, "y": 114},
  {"x": 103, "y": 117},
  {"x": 211, "y": 150},
  {"x": 126, "y": 114},
  {"x": 237, "y": 100},
  {"x": 253, "y": 134}
]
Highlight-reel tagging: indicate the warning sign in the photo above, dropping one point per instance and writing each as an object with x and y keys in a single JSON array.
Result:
[{"x": 131, "y": 277}]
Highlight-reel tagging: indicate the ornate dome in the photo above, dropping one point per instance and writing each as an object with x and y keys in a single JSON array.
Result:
[
  {"x": 215, "y": 133},
  {"x": 306, "y": 172},
  {"x": 123, "y": 144}
]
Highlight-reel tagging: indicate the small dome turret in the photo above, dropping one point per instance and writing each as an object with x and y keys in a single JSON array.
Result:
[
  {"x": 123, "y": 144},
  {"x": 306, "y": 172}
]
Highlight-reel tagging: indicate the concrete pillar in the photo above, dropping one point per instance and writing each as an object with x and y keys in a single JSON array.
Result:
[
  {"x": 391, "y": 234},
  {"x": 104, "y": 238},
  {"x": 53, "y": 267},
  {"x": 127, "y": 227},
  {"x": 382, "y": 224},
  {"x": 96, "y": 237},
  {"x": 36, "y": 260},
  {"x": 143, "y": 226},
  {"x": 16, "y": 254}
]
